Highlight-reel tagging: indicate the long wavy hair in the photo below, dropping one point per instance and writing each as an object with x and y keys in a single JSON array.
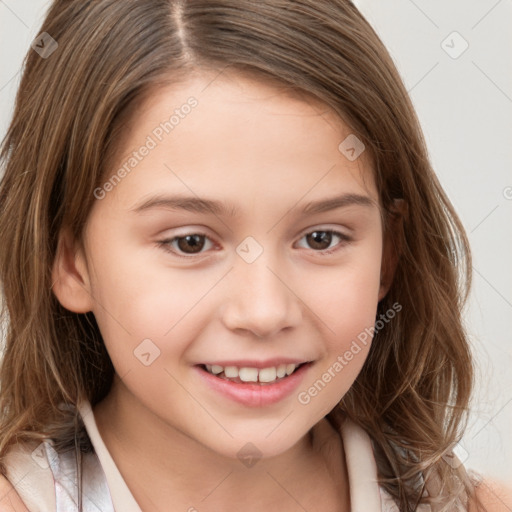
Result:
[{"x": 412, "y": 394}]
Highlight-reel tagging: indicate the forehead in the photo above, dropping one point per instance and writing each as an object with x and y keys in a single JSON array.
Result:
[{"x": 242, "y": 138}]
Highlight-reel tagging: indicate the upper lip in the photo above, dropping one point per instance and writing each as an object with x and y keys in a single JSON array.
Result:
[{"x": 268, "y": 363}]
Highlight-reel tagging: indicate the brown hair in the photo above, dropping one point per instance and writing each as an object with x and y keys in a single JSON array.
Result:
[{"x": 413, "y": 391}]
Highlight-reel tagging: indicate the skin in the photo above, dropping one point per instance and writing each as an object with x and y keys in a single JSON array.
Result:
[{"x": 268, "y": 153}]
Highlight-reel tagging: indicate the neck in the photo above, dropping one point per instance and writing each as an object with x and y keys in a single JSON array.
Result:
[{"x": 162, "y": 465}]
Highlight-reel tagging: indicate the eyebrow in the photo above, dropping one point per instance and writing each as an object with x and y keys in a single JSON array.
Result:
[{"x": 196, "y": 204}]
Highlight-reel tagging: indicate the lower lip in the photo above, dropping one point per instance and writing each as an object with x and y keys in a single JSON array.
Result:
[{"x": 255, "y": 395}]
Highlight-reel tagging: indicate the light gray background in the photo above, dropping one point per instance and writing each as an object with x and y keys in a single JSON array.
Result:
[{"x": 465, "y": 106}]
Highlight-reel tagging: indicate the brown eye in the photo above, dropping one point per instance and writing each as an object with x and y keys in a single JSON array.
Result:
[
  {"x": 320, "y": 240},
  {"x": 190, "y": 244}
]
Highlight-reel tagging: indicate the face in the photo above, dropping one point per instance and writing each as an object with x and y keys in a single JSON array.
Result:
[{"x": 216, "y": 248}]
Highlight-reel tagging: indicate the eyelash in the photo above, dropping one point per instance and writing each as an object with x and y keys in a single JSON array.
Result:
[{"x": 345, "y": 240}]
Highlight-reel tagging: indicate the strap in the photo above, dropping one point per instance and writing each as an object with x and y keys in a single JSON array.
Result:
[
  {"x": 122, "y": 498},
  {"x": 362, "y": 469}
]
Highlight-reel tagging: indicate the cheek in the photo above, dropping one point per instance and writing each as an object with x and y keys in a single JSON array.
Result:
[
  {"x": 346, "y": 298},
  {"x": 345, "y": 305},
  {"x": 133, "y": 287},
  {"x": 146, "y": 327},
  {"x": 149, "y": 314}
]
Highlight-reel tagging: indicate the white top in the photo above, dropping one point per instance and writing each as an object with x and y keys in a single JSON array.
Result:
[{"x": 47, "y": 481}]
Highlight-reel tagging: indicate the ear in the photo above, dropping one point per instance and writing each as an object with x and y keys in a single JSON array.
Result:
[
  {"x": 392, "y": 245},
  {"x": 70, "y": 276}
]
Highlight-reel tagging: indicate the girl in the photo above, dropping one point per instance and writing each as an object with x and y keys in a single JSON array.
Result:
[{"x": 231, "y": 277}]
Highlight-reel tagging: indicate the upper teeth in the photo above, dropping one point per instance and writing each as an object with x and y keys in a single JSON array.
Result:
[{"x": 253, "y": 374}]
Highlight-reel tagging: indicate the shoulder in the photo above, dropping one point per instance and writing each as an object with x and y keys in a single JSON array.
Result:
[
  {"x": 9, "y": 498},
  {"x": 28, "y": 478},
  {"x": 494, "y": 495}
]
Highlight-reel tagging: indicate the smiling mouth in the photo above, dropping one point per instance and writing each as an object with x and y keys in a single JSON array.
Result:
[{"x": 248, "y": 375}]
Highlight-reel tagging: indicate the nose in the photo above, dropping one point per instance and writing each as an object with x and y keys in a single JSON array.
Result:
[{"x": 260, "y": 299}]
